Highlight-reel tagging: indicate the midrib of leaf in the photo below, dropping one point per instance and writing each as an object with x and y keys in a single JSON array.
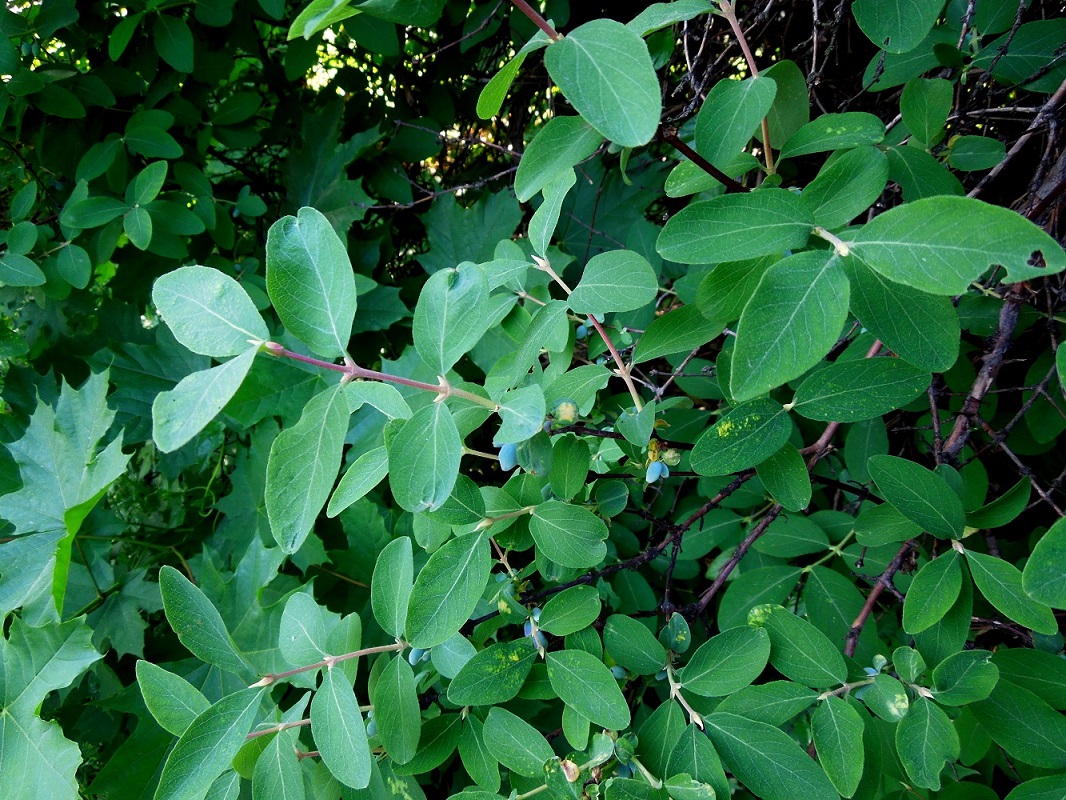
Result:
[
  {"x": 619, "y": 100},
  {"x": 191, "y": 300},
  {"x": 325, "y": 294},
  {"x": 797, "y": 307}
]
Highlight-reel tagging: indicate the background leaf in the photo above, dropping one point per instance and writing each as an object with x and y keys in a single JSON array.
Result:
[{"x": 310, "y": 281}]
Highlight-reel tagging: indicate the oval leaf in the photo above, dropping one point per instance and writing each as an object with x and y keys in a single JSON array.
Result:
[{"x": 447, "y": 590}]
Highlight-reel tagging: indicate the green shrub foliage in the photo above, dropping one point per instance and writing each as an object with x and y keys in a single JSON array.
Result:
[{"x": 417, "y": 399}]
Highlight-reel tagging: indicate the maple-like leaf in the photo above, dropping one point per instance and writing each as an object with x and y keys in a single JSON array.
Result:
[
  {"x": 63, "y": 472},
  {"x": 36, "y": 760},
  {"x": 63, "y": 469}
]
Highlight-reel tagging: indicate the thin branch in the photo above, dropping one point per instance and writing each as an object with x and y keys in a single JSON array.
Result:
[{"x": 883, "y": 582}]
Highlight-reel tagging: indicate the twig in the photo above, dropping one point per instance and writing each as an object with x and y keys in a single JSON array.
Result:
[
  {"x": 851, "y": 641},
  {"x": 537, "y": 19},
  {"x": 993, "y": 360},
  {"x": 669, "y": 135}
]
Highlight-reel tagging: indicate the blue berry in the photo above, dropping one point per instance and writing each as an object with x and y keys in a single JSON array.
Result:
[
  {"x": 582, "y": 331},
  {"x": 535, "y": 614},
  {"x": 660, "y": 675},
  {"x": 415, "y": 655},
  {"x": 527, "y": 629},
  {"x": 508, "y": 457},
  {"x": 372, "y": 728},
  {"x": 618, "y": 672},
  {"x": 664, "y": 473},
  {"x": 540, "y": 640},
  {"x": 655, "y": 469},
  {"x": 623, "y": 771}
]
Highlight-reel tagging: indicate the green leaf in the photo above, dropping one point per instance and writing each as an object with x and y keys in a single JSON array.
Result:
[
  {"x": 925, "y": 739},
  {"x": 619, "y": 280},
  {"x": 424, "y": 459},
  {"x": 792, "y": 108},
  {"x": 447, "y": 589},
  {"x": 570, "y": 610},
  {"x": 941, "y": 245},
  {"x": 794, "y": 318},
  {"x": 148, "y": 182},
  {"x": 339, "y": 732},
  {"x": 1049, "y": 787},
  {"x": 172, "y": 700},
  {"x": 561, "y": 144},
  {"x": 746, "y": 436},
  {"x": 1023, "y": 725},
  {"x": 887, "y": 698},
  {"x": 856, "y": 390},
  {"x": 362, "y": 475},
  {"x": 182, "y": 412},
  {"x": 896, "y": 25},
  {"x": 396, "y": 710},
  {"x": 834, "y": 132},
  {"x": 74, "y": 265},
  {"x": 846, "y": 186},
  {"x": 515, "y": 743},
  {"x": 964, "y": 678},
  {"x": 920, "y": 175},
  {"x": 922, "y": 328},
  {"x": 479, "y": 763},
  {"x": 632, "y": 645},
  {"x": 726, "y": 663},
  {"x": 310, "y": 281},
  {"x": 792, "y": 535},
  {"x": 735, "y": 227},
  {"x": 919, "y": 494},
  {"x": 490, "y": 101},
  {"x": 1044, "y": 576},
  {"x": 173, "y": 41},
  {"x": 92, "y": 212},
  {"x": 971, "y": 153},
  {"x": 390, "y": 589},
  {"x": 785, "y": 476},
  {"x": 767, "y": 760},
  {"x": 17, "y": 270},
  {"x": 661, "y": 15},
  {"x": 932, "y": 592},
  {"x": 730, "y": 116},
  {"x": 604, "y": 70},
  {"x": 278, "y": 774},
  {"x": 1021, "y": 53},
  {"x": 319, "y": 15},
  {"x": 65, "y": 465},
  {"x": 798, "y": 650},
  {"x": 439, "y": 738},
  {"x": 773, "y": 703},
  {"x": 1003, "y": 509},
  {"x": 304, "y": 633},
  {"x": 545, "y": 219},
  {"x": 494, "y": 675},
  {"x": 208, "y": 311},
  {"x": 582, "y": 681},
  {"x": 680, "y": 331},
  {"x": 695, "y": 755},
  {"x": 208, "y": 746},
  {"x": 837, "y": 731},
  {"x": 451, "y": 306},
  {"x": 570, "y": 466},
  {"x": 198, "y": 624},
  {"x": 522, "y": 411},
  {"x": 303, "y": 465},
  {"x": 1001, "y": 584},
  {"x": 571, "y": 536},
  {"x": 925, "y": 105}
]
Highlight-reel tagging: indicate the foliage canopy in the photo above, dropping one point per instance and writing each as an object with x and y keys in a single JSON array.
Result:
[{"x": 436, "y": 398}]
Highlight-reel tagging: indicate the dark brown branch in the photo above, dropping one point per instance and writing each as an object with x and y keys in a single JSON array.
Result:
[
  {"x": 993, "y": 360},
  {"x": 669, "y": 135},
  {"x": 883, "y": 582}
]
